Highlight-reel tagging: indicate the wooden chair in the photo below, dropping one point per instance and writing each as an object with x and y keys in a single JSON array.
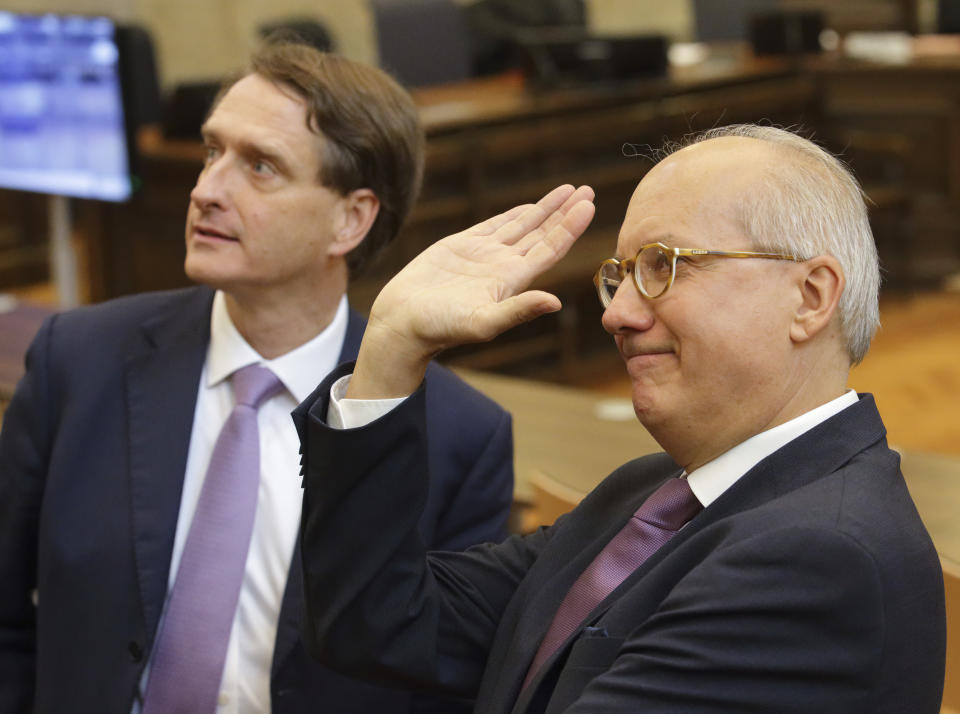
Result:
[
  {"x": 951, "y": 685},
  {"x": 933, "y": 481},
  {"x": 550, "y": 498}
]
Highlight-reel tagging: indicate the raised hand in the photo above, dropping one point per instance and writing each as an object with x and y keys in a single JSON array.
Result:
[{"x": 468, "y": 287}]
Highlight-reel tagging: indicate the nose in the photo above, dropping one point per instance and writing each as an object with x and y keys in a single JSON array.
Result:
[
  {"x": 210, "y": 191},
  {"x": 629, "y": 310}
]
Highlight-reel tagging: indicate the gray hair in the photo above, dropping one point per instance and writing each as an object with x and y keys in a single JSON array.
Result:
[{"x": 810, "y": 204}]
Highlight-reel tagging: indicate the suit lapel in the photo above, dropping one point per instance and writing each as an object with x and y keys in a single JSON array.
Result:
[
  {"x": 351, "y": 341},
  {"x": 288, "y": 626},
  {"x": 817, "y": 453},
  {"x": 162, "y": 375},
  {"x": 537, "y": 619},
  {"x": 291, "y": 614}
]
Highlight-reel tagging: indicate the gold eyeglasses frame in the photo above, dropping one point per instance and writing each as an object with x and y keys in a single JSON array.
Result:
[{"x": 629, "y": 265}]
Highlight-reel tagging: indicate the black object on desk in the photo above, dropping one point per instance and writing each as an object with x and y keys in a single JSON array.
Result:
[
  {"x": 786, "y": 33},
  {"x": 567, "y": 55},
  {"x": 187, "y": 107}
]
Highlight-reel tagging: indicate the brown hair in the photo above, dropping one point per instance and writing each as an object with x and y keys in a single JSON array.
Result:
[{"x": 370, "y": 131}]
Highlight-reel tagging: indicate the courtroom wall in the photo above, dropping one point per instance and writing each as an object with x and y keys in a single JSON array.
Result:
[{"x": 206, "y": 39}]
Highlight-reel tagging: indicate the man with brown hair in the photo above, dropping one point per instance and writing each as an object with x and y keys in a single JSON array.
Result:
[{"x": 149, "y": 499}]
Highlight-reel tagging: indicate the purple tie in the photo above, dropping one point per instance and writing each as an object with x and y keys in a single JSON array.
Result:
[
  {"x": 191, "y": 647},
  {"x": 655, "y": 522}
]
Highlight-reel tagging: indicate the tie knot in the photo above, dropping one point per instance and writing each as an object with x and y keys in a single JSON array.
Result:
[
  {"x": 253, "y": 384},
  {"x": 670, "y": 506}
]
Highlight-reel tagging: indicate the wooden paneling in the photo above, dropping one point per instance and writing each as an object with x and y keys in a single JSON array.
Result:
[
  {"x": 23, "y": 238},
  {"x": 920, "y": 103},
  {"x": 495, "y": 143}
]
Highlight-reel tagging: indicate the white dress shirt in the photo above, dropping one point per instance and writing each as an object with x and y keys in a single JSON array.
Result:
[
  {"x": 707, "y": 482},
  {"x": 245, "y": 688},
  {"x": 713, "y": 478}
]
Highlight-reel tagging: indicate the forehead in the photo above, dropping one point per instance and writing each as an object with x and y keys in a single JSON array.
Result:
[
  {"x": 692, "y": 197},
  {"x": 256, "y": 111}
]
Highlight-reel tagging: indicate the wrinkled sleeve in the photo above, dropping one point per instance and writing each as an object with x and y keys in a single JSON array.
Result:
[
  {"x": 378, "y": 605},
  {"x": 24, "y": 455}
]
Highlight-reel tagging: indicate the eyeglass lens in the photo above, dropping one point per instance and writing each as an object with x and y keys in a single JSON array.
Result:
[
  {"x": 608, "y": 280},
  {"x": 653, "y": 267}
]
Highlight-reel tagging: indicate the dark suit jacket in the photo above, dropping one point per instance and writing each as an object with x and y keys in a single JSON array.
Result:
[
  {"x": 809, "y": 586},
  {"x": 92, "y": 459}
]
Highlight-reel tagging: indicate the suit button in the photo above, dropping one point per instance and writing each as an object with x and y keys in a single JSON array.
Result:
[{"x": 136, "y": 652}]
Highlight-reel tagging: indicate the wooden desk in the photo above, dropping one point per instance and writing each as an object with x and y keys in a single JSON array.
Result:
[
  {"x": 934, "y": 483},
  {"x": 919, "y": 102},
  {"x": 560, "y": 431},
  {"x": 494, "y": 143},
  {"x": 490, "y": 145},
  {"x": 506, "y": 99}
]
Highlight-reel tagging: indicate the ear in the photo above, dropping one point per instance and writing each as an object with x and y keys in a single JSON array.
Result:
[
  {"x": 356, "y": 213},
  {"x": 821, "y": 285}
]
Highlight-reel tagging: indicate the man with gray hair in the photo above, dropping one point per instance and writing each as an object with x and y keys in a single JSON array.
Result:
[{"x": 770, "y": 561}]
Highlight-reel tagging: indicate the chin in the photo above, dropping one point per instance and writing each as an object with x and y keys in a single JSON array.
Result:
[
  {"x": 213, "y": 276},
  {"x": 646, "y": 405}
]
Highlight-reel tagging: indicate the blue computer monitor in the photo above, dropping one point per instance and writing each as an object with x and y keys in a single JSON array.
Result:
[{"x": 63, "y": 129}]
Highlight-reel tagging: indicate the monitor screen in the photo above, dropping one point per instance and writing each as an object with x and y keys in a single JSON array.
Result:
[{"x": 62, "y": 126}]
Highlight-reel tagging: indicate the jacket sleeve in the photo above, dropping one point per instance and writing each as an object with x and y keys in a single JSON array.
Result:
[
  {"x": 24, "y": 454},
  {"x": 470, "y": 456},
  {"x": 470, "y": 447},
  {"x": 378, "y": 606}
]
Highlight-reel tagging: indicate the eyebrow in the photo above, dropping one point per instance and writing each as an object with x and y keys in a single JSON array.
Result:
[{"x": 664, "y": 238}]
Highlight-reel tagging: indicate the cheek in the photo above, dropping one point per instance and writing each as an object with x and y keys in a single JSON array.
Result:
[{"x": 258, "y": 218}]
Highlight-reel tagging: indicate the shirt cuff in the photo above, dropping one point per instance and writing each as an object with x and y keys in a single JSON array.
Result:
[{"x": 345, "y": 413}]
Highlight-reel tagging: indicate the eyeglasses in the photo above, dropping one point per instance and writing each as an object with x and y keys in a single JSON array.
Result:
[{"x": 655, "y": 267}]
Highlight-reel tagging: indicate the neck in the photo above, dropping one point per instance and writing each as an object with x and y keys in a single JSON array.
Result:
[
  {"x": 275, "y": 321},
  {"x": 810, "y": 385}
]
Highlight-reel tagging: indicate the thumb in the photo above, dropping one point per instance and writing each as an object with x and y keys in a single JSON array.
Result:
[{"x": 498, "y": 318}]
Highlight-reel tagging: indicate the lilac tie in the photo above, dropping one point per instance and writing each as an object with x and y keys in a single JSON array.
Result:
[
  {"x": 655, "y": 522},
  {"x": 191, "y": 647}
]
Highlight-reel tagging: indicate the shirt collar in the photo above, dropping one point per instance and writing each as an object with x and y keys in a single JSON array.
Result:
[
  {"x": 713, "y": 478},
  {"x": 300, "y": 370}
]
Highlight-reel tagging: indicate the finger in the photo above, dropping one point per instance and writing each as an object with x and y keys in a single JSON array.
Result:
[
  {"x": 556, "y": 198},
  {"x": 545, "y": 253},
  {"x": 534, "y": 216},
  {"x": 583, "y": 193},
  {"x": 491, "y": 225},
  {"x": 497, "y": 318}
]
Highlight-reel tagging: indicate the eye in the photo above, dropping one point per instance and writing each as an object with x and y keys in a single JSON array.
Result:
[
  {"x": 659, "y": 262},
  {"x": 262, "y": 168},
  {"x": 210, "y": 153}
]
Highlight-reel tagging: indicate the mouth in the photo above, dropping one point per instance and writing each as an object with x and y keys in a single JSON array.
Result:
[
  {"x": 643, "y": 358},
  {"x": 633, "y": 351},
  {"x": 209, "y": 233}
]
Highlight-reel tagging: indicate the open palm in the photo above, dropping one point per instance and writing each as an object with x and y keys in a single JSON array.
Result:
[{"x": 470, "y": 287}]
